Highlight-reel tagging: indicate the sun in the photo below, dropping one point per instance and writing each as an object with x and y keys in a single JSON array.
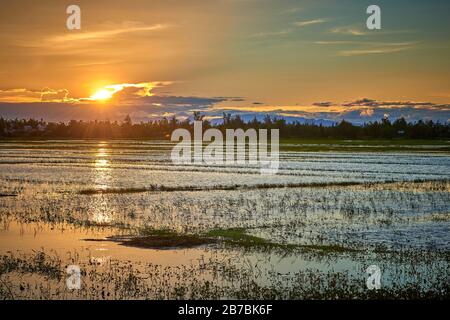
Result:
[{"x": 102, "y": 94}]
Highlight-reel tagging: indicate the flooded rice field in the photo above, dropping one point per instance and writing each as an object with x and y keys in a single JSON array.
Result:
[{"x": 140, "y": 227}]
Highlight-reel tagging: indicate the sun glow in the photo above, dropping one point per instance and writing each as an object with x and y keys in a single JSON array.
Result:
[
  {"x": 142, "y": 89},
  {"x": 102, "y": 94}
]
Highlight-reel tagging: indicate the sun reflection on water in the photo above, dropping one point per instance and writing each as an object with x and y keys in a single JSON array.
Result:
[{"x": 102, "y": 211}]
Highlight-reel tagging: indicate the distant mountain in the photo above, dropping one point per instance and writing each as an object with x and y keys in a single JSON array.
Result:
[{"x": 289, "y": 119}]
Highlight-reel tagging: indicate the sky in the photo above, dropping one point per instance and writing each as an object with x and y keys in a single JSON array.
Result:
[{"x": 291, "y": 58}]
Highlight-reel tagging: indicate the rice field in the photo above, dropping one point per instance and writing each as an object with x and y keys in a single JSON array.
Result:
[{"x": 140, "y": 227}]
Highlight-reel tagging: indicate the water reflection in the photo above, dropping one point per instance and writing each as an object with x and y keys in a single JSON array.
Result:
[{"x": 102, "y": 211}]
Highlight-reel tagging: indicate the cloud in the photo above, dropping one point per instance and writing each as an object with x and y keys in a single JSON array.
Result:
[
  {"x": 115, "y": 95},
  {"x": 309, "y": 22},
  {"x": 366, "y": 113},
  {"x": 121, "y": 91},
  {"x": 348, "y": 30},
  {"x": 143, "y": 104},
  {"x": 270, "y": 34},
  {"x": 28, "y": 95},
  {"x": 139, "y": 100},
  {"x": 363, "y": 110},
  {"x": 142, "y": 109},
  {"x": 366, "y": 102},
  {"x": 102, "y": 34},
  {"x": 361, "y": 102},
  {"x": 367, "y": 48},
  {"x": 48, "y": 94},
  {"x": 82, "y": 42},
  {"x": 358, "y": 111},
  {"x": 141, "y": 94},
  {"x": 322, "y": 104},
  {"x": 125, "y": 91},
  {"x": 360, "y": 52},
  {"x": 19, "y": 95},
  {"x": 333, "y": 42}
]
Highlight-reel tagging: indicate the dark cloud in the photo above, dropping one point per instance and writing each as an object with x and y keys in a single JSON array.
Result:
[
  {"x": 138, "y": 107},
  {"x": 323, "y": 104},
  {"x": 234, "y": 99},
  {"x": 184, "y": 101},
  {"x": 144, "y": 108},
  {"x": 365, "y": 102}
]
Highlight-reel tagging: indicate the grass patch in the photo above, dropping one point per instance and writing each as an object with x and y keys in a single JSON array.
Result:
[
  {"x": 40, "y": 263},
  {"x": 166, "y": 241},
  {"x": 237, "y": 235},
  {"x": 407, "y": 142},
  {"x": 365, "y": 145},
  {"x": 162, "y": 239},
  {"x": 169, "y": 239}
]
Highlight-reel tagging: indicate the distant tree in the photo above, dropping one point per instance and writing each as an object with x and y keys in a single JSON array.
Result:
[
  {"x": 198, "y": 116},
  {"x": 162, "y": 128},
  {"x": 127, "y": 120}
]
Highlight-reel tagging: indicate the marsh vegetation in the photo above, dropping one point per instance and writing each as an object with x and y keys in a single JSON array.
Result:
[{"x": 140, "y": 227}]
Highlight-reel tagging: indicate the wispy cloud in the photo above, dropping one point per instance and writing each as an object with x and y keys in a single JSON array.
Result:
[
  {"x": 323, "y": 104},
  {"x": 309, "y": 22},
  {"x": 348, "y": 30},
  {"x": 30, "y": 95},
  {"x": 333, "y": 42},
  {"x": 270, "y": 34},
  {"x": 92, "y": 35},
  {"x": 357, "y": 30},
  {"x": 379, "y": 50}
]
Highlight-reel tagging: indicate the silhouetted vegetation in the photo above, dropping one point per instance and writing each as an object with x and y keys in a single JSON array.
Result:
[{"x": 162, "y": 129}]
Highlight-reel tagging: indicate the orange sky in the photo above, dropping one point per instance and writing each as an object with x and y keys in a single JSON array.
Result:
[{"x": 261, "y": 54}]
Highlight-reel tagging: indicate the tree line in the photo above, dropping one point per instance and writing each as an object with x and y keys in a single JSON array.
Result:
[{"x": 163, "y": 128}]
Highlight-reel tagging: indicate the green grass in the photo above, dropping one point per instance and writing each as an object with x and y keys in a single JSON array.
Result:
[
  {"x": 411, "y": 142},
  {"x": 240, "y": 237},
  {"x": 316, "y": 145},
  {"x": 286, "y": 144},
  {"x": 236, "y": 235},
  {"x": 148, "y": 231},
  {"x": 162, "y": 239},
  {"x": 232, "y": 236},
  {"x": 166, "y": 239}
]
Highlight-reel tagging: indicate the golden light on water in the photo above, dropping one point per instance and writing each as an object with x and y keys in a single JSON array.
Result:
[
  {"x": 101, "y": 163},
  {"x": 102, "y": 212},
  {"x": 101, "y": 155}
]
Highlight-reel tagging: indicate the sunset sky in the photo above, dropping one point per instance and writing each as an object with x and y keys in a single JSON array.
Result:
[{"x": 153, "y": 58}]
